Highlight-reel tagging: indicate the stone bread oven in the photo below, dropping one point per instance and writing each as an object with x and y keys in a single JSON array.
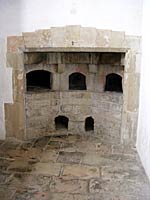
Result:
[{"x": 74, "y": 80}]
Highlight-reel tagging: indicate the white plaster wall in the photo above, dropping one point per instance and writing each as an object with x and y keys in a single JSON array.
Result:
[
  {"x": 28, "y": 15},
  {"x": 5, "y": 85},
  {"x": 18, "y": 16},
  {"x": 108, "y": 14},
  {"x": 2, "y": 125},
  {"x": 143, "y": 138}
]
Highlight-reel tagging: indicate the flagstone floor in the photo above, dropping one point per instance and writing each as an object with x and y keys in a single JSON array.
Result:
[{"x": 70, "y": 168}]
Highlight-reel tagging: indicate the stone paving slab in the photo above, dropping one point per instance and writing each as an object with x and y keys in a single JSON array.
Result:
[
  {"x": 95, "y": 159},
  {"x": 49, "y": 156},
  {"x": 72, "y": 186},
  {"x": 81, "y": 171},
  {"x": 47, "y": 168},
  {"x": 119, "y": 171},
  {"x": 70, "y": 157},
  {"x": 61, "y": 196},
  {"x": 71, "y": 168}
]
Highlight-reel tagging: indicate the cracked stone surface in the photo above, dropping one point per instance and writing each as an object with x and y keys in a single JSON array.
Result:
[{"x": 71, "y": 168}]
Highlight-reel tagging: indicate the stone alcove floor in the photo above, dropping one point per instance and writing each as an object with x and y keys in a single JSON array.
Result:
[{"x": 70, "y": 167}]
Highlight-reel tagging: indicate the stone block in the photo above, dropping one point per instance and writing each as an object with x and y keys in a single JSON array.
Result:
[
  {"x": 52, "y": 169},
  {"x": 73, "y": 36},
  {"x": 81, "y": 171},
  {"x": 66, "y": 108},
  {"x": 31, "y": 40},
  {"x": 117, "y": 39},
  {"x": 56, "y": 81},
  {"x": 45, "y": 37},
  {"x": 18, "y": 85},
  {"x": 96, "y": 159},
  {"x": 60, "y": 196},
  {"x": 110, "y": 58},
  {"x": 14, "y": 119},
  {"x": 35, "y": 58},
  {"x": 93, "y": 68},
  {"x": 58, "y": 36},
  {"x": 70, "y": 157},
  {"x": 132, "y": 84},
  {"x": 87, "y": 37},
  {"x": 54, "y": 58},
  {"x": 37, "y": 39},
  {"x": 130, "y": 61},
  {"x": 15, "y": 44},
  {"x": 129, "y": 127},
  {"x": 138, "y": 63},
  {"x": 15, "y": 60},
  {"x": 133, "y": 42},
  {"x": 61, "y": 68},
  {"x": 103, "y": 38},
  {"x": 60, "y": 185}
]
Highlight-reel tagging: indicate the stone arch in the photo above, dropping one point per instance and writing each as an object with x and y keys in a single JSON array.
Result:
[
  {"x": 89, "y": 124},
  {"x": 38, "y": 80},
  {"x": 61, "y": 122},
  {"x": 77, "y": 81},
  {"x": 113, "y": 83}
]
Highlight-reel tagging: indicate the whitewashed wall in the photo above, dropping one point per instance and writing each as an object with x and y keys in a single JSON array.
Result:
[
  {"x": 143, "y": 139},
  {"x": 2, "y": 125},
  {"x": 28, "y": 15},
  {"x": 5, "y": 86},
  {"x": 18, "y": 16}
]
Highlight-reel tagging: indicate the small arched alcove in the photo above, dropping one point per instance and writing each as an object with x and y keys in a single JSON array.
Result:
[
  {"x": 38, "y": 80},
  {"x": 61, "y": 122},
  {"x": 113, "y": 83},
  {"x": 89, "y": 124},
  {"x": 77, "y": 81}
]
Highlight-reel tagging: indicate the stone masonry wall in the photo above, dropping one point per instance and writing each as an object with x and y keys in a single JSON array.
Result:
[{"x": 105, "y": 108}]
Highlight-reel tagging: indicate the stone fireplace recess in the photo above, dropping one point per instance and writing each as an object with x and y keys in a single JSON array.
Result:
[{"x": 74, "y": 80}]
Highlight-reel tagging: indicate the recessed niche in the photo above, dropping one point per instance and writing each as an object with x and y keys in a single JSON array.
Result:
[
  {"x": 61, "y": 122},
  {"x": 113, "y": 83},
  {"x": 38, "y": 80},
  {"x": 89, "y": 124},
  {"x": 77, "y": 81}
]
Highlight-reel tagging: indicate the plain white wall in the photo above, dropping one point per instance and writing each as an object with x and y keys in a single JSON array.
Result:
[
  {"x": 104, "y": 14},
  {"x": 28, "y": 15},
  {"x": 143, "y": 135},
  {"x": 2, "y": 60},
  {"x": 18, "y": 16}
]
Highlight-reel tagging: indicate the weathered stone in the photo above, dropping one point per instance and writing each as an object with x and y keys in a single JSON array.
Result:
[
  {"x": 15, "y": 44},
  {"x": 20, "y": 166},
  {"x": 60, "y": 68},
  {"x": 60, "y": 196},
  {"x": 73, "y": 36},
  {"x": 35, "y": 58},
  {"x": 58, "y": 36},
  {"x": 47, "y": 169},
  {"x": 70, "y": 157},
  {"x": 81, "y": 171},
  {"x": 73, "y": 49},
  {"x": 103, "y": 38},
  {"x": 74, "y": 186},
  {"x": 117, "y": 39},
  {"x": 93, "y": 68},
  {"x": 87, "y": 37},
  {"x": 116, "y": 176},
  {"x": 97, "y": 160},
  {"x": 15, "y": 60}
]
